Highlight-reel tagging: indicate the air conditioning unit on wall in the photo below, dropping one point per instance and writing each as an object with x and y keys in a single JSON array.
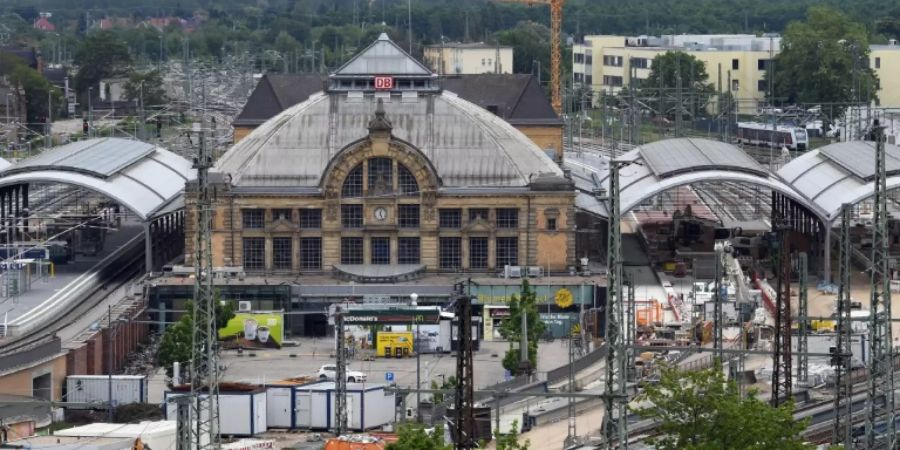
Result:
[{"x": 245, "y": 306}]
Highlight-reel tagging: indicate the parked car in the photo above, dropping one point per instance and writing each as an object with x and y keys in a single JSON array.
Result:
[{"x": 329, "y": 371}]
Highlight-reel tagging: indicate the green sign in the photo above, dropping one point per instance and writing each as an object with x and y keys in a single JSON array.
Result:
[
  {"x": 546, "y": 294},
  {"x": 255, "y": 329}
]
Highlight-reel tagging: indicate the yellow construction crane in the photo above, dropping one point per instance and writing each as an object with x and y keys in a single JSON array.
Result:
[{"x": 555, "y": 40}]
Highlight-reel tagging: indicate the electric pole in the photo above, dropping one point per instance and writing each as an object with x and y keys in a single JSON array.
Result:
[
  {"x": 204, "y": 405},
  {"x": 880, "y": 387},
  {"x": 803, "y": 324},
  {"x": 781, "y": 370},
  {"x": 464, "y": 422},
  {"x": 615, "y": 428},
  {"x": 841, "y": 433},
  {"x": 340, "y": 376}
]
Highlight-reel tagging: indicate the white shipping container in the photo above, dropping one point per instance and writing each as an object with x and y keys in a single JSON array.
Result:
[
  {"x": 312, "y": 406},
  {"x": 154, "y": 435},
  {"x": 126, "y": 389},
  {"x": 240, "y": 413}
]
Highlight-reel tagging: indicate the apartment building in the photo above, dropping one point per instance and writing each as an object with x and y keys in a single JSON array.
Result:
[
  {"x": 608, "y": 63},
  {"x": 455, "y": 58},
  {"x": 885, "y": 61}
]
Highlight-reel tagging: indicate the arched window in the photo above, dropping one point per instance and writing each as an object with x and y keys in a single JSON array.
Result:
[
  {"x": 406, "y": 181},
  {"x": 353, "y": 184}
]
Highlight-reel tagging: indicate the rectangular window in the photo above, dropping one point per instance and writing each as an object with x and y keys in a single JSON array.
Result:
[
  {"x": 311, "y": 253},
  {"x": 282, "y": 253},
  {"x": 612, "y": 81},
  {"x": 450, "y": 253},
  {"x": 352, "y": 250},
  {"x": 282, "y": 214},
  {"x": 735, "y": 85},
  {"x": 551, "y": 223},
  {"x": 352, "y": 216},
  {"x": 254, "y": 253},
  {"x": 762, "y": 85},
  {"x": 478, "y": 253},
  {"x": 311, "y": 219},
  {"x": 588, "y": 60},
  {"x": 877, "y": 62},
  {"x": 588, "y": 79},
  {"x": 579, "y": 58},
  {"x": 254, "y": 218},
  {"x": 450, "y": 218},
  {"x": 408, "y": 250},
  {"x": 578, "y": 78},
  {"x": 762, "y": 64},
  {"x": 507, "y": 218},
  {"x": 381, "y": 250},
  {"x": 639, "y": 63},
  {"x": 408, "y": 216},
  {"x": 735, "y": 64},
  {"x": 478, "y": 213},
  {"x": 507, "y": 251}
]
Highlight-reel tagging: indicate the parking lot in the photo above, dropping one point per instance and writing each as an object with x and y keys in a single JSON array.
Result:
[{"x": 271, "y": 365}]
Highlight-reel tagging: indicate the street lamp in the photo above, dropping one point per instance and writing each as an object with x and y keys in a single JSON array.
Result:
[
  {"x": 90, "y": 111},
  {"x": 413, "y": 302}
]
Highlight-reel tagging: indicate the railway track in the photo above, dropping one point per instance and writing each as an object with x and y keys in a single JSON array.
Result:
[{"x": 116, "y": 273}]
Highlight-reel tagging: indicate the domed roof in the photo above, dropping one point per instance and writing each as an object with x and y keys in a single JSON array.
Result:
[{"x": 468, "y": 146}]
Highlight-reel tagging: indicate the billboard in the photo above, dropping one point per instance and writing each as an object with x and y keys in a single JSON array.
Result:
[{"x": 255, "y": 329}]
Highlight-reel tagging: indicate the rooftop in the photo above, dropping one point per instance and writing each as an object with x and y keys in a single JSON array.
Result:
[
  {"x": 474, "y": 45},
  {"x": 141, "y": 176}
]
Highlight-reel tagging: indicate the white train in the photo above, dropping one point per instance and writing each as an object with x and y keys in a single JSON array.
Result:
[{"x": 762, "y": 135}]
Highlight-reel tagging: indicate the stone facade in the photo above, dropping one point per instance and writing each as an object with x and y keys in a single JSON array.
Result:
[{"x": 531, "y": 227}]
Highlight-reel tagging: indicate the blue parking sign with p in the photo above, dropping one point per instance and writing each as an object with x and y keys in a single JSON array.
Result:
[{"x": 389, "y": 376}]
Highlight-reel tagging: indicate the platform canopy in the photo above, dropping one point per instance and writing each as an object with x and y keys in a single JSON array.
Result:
[
  {"x": 659, "y": 166},
  {"x": 145, "y": 178},
  {"x": 840, "y": 173}
]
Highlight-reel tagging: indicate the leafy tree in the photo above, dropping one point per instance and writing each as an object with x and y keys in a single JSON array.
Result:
[
  {"x": 702, "y": 410},
  {"x": 449, "y": 383},
  {"x": 146, "y": 87},
  {"x": 177, "y": 340},
  {"x": 36, "y": 88},
  {"x": 819, "y": 57},
  {"x": 101, "y": 55},
  {"x": 665, "y": 70},
  {"x": 530, "y": 42},
  {"x": 414, "y": 436},
  {"x": 511, "y": 330},
  {"x": 510, "y": 441}
]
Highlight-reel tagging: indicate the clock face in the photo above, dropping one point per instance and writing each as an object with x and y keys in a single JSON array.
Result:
[{"x": 380, "y": 213}]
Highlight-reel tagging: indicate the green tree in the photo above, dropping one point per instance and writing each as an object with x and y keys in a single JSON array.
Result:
[
  {"x": 449, "y": 383},
  {"x": 511, "y": 330},
  {"x": 702, "y": 410},
  {"x": 819, "y": 58},
  {"x": 662, "y": 83},
  {"x": 510, "y": 440},
  {"x": 101, "y": 55},
  {"x": 37, "y": 89},
  {"x": 414, "y": 436},
  {"x": 146, "y": 87},
  {"x": 176, "y": 342}
]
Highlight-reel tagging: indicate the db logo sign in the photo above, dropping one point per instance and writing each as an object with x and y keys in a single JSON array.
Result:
[{"x": 382, "y": 83}]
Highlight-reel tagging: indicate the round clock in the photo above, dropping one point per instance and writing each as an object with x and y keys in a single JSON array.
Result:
[{"x": 380, "y": 213}]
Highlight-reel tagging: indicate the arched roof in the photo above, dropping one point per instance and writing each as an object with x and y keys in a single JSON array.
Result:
[
  {"x": 668, "y": 164},
  {"x": 468, "y": 146},
  {"x": 840, "y": 173},
  {"x": 144, "y": 178}
]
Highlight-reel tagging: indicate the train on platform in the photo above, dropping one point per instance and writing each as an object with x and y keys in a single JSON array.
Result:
[{"x": 762, "y": 135}]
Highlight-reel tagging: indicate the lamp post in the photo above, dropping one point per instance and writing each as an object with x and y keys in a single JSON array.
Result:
[
  {"x": 90, "y": 111},
  {"x": 413, "y": 302}
]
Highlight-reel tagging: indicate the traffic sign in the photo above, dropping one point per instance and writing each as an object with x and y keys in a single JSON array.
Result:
[{"x": 389, "y": 376}]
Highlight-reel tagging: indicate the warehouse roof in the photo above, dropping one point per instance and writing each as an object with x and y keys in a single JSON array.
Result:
[
  {"x": 142, "y": 177},
  {"x": 840, "y": 173},
  {"x": 468, "y": 146}
]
